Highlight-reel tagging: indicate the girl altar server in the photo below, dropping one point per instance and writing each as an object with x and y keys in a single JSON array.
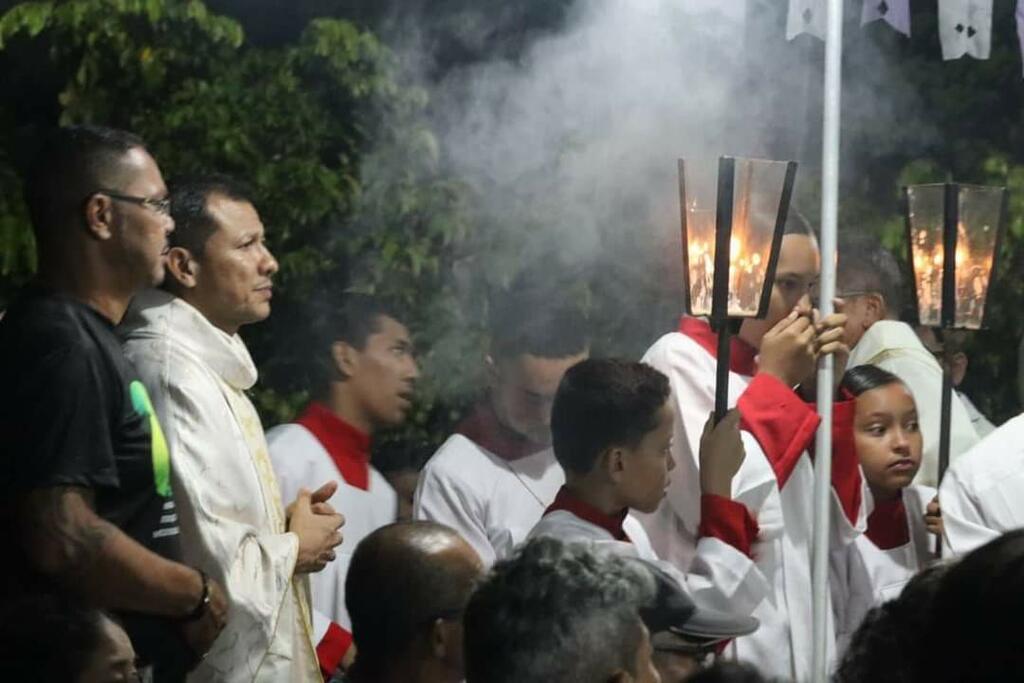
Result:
[{"x": 904, "y": 523}]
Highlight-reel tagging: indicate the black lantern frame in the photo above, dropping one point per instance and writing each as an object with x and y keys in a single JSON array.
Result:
[
  {"x": 951, "y": 220},
  {"x": 723, "y": 322}
]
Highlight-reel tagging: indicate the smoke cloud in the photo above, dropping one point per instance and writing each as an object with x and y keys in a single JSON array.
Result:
[{"x": 570, "y": 142}]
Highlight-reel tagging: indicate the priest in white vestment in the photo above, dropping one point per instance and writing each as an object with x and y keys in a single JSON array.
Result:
[{"x": 197, "y": 368}]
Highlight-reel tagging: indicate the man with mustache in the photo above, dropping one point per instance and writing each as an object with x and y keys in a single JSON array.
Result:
[
  {"x": 184, "y": 340},
  {"x": 364, "y": 373}
]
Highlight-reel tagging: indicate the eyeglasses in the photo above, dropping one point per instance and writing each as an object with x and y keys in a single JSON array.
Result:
[{"x": 160, "y": 206}]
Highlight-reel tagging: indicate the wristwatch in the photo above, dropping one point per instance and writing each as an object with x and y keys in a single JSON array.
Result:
[{"x": 204, "y": 599}]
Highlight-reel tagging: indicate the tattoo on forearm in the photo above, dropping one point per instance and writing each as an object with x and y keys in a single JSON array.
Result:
[{"x": 72, "y": 533}]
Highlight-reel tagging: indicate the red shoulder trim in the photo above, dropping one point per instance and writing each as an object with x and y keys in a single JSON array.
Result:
[
  {"x": 332, "y": 648},
  {"x": 781, "y": 422},
  {"x": 728, "y": 521},
  {"x": 348, "y": 447},
  {"x": 846, "y": 476},
  {"x": 741, "y": 354},
  {"x": 588, "y": 513}
]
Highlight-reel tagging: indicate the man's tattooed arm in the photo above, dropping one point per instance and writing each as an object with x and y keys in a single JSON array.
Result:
[
  {"x": 64, "y": 536},
  {"x": 66, "y": 540}
]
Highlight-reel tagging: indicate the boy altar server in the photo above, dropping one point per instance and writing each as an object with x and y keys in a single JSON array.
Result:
[
  {"x": 869, "y": 282},
  {"x": 776, "y": 480},
  {"x": 365, "y": 372},
  {"x": 611, "y": 426},
  {"x": 492, "y": 480}
]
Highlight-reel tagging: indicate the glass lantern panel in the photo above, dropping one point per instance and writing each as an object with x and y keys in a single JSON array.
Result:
[
  {"x": 980, "y": 214},
  {"x": 699, "y": 237},
  {"x": 926, "y": 211},
  {"x": 758, "y": 189}
]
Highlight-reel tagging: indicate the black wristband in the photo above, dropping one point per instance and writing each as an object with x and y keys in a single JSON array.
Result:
[{"x": 204, "y": 599}]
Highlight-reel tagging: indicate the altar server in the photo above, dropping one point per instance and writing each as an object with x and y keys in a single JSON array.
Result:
[
  {"x": 769, "y": 358},
  {"x": 364, "y": 373},
  {"x": 495, "y": 476},
  {"x": 612, "y": 428},
  {"x": 903, "y": 526}
]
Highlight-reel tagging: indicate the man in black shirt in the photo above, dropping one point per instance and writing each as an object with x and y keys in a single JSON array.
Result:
[{"x": 84, "y": 475}]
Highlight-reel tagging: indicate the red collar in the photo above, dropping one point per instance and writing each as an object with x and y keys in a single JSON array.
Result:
[
  {"x": 741, "y": 354},
  {"x": 348, "y": 447},
  {"x": 887, "y": 524},
  {"x": 483, "y": 428},
  {"x": 588, "y": 513}
]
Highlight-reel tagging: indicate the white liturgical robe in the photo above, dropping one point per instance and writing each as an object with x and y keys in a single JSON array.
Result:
[
  {"x": 368, "y": 502},
  {"x": 490, "y": 494},
  {"x": 721, "y": 577},
  {"x": 231, "y": 517},
  {"x": 875, "y": 568},
  {"x": 893, "y": 346},
  {"x": 775, "y": 483},
  {"x": 982, "y": 496}
]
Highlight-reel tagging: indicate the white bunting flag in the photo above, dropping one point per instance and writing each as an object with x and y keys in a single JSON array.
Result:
[
  {"x": 965, "y": 28},
  {"x": 806, "y": 16},
  {"x": 896, "y": 13}
]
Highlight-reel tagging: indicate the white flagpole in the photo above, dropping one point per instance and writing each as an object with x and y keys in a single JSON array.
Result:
[{"x": 823, "y": 447}]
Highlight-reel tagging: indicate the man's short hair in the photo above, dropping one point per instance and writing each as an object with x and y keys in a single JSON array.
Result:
[
  {"x": 72, "y": 163},
  {"x": 537, "y": 323},
  {"x": 395, "y": 590},
  {"x": 601, "y": 403},
  {"x": 190, "y": 196},
  {"x": 351, "y": 318},
  {"x": 555, "y": 612},
  {"x": 866, "y": 267},
  {"x": 798, "y": 224}
]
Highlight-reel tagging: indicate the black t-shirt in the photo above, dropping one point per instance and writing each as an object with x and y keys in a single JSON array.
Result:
[{"x": 73, "y": 413}]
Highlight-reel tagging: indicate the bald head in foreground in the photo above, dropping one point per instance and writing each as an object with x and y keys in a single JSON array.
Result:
[{"x": 406, "y": 590}]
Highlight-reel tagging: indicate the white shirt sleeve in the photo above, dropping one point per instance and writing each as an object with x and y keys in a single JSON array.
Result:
[
  {"x": 963, "y": 520},
  {"x": 443, "y": 496}
]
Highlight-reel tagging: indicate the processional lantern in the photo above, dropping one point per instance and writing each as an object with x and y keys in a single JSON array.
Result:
[
  {"x": 954, "y": 232},
  {"x": 731, "y": 241}
]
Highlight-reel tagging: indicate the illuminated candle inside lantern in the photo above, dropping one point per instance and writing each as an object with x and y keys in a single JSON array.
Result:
[
  {"x": 701, "y": 253},
  {"x": 976, "y": 240},
  {"x": 746, "y": 211}
]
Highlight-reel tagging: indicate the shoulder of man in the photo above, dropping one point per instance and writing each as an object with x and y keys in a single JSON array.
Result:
[{"x": 457, "y": 458}]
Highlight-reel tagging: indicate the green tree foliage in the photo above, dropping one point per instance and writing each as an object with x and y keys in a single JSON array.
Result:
[
  {"x": 350, "y": 179},
  {"x": 297, "y": 123}
]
